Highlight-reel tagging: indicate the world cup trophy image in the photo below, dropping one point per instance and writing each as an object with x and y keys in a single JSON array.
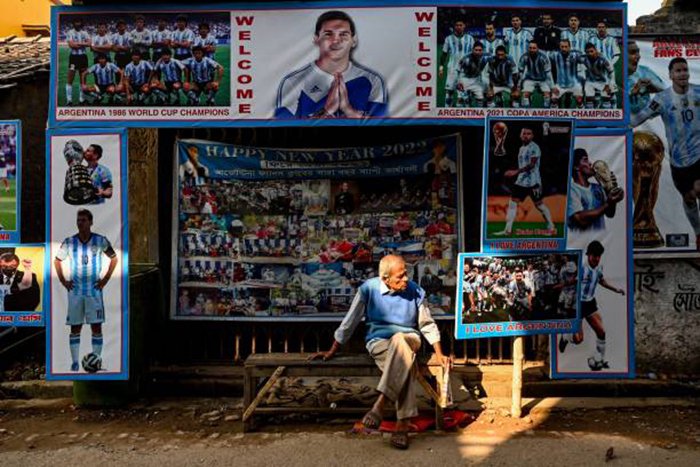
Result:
[
  {"x": 78, "y": 187},
  {"x": 500, "y": 131},
  {"x": 647, "y": 155}
]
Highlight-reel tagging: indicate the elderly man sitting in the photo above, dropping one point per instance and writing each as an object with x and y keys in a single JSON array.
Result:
[{"x": 395, "y": 311}]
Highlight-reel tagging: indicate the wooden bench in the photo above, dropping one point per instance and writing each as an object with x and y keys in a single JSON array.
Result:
[{"x": 276, "y": 365}]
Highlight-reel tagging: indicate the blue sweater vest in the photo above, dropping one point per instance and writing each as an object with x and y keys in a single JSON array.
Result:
[{"x": 389, "y": 314}]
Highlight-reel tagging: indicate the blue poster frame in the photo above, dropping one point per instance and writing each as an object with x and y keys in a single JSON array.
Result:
[
  {"x": 631, "y": 372},
  {"x": 30, "y": 318},
  {"x": 123, "y": 268},
  {"x": 487, "y": 244},
  {"x": 14, "y": 236},
  {"x": 499, "y": 328},
  {"x": 327, "y": 4}
]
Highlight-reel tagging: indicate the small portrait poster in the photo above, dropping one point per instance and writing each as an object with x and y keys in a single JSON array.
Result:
[
  {"x": 527, "y": 166},
  {"x": 87, "y": 325},
  {"x": 10, "y": 180},
  {"x": 517, "y": 294},
  {"x": 23, "y": 297}
]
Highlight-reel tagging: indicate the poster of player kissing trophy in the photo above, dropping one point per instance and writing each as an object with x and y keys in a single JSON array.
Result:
[{"x": 87, "y": 232}]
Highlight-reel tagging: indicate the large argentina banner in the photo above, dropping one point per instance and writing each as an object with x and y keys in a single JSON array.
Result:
[
  {"x": 276, "y": 234},
  {"x": 663, "y": 82},
  {"x": 337, "y": 63}
]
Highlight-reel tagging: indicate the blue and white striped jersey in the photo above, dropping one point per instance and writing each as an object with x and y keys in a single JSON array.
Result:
[
  {"x": 121, "y": 40},
  {"x": 170, "y": 71},
  {"x": 303, "y": 92},
  {"x": 202, "y": 71},
  {"x": 490, "y": 46},
  {"x": 517, "y": 42},
  {"x": 606, "y": 46},
  {"x": 583, "y": 198},
  {"x": 589, "y": 283},
  {"x": 537, "y": 68},
  {"x": 101, "y": 178},
  {"x": 565, "y": 68},
  {"x": 160, "y": 39},
  {"x": 467, "y": 288},
  {"x": 520, "y": 291},
  {"x": 577, "y": 39},
  {"x": 681, "y": 116},
  {"x": 141, "y": 39},
  {"x": 569, "y": 273},
  {"x": 640, "y": 100},
  {"x": 138, "y": 74},
  {"x": 526, "y": 154},
  {"x": 598, "y": 70},
  {"x": 501, "y": 72},
  {"x": 472, "y": 67},
  {"x": 200, "y": 41},
  {"x": 104, "y": 75},
  {"x": 86, "y": 262},
  {"x": 457, "y": 47},
  {"x": 80, "y": 37},
  {"x": 181, "y": 36},
  {"x": 102, "y": 41}
]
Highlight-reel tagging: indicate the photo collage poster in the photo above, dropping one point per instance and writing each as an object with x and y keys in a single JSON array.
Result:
[
  {"x": 10, "y": 180},
  {"x": 664, "y": 93},
  {"x": 87, "y": 231},
  {"x": 269, "y": 234},
  {"x": 393, "y": 64}
]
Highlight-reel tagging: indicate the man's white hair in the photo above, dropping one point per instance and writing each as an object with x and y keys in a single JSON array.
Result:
[{"x": 387, "y": 264}]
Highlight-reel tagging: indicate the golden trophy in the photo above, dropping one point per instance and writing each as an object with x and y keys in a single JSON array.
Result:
[
  {"x": 500, "y": 131},
  {"x": 647, "y": 155}
]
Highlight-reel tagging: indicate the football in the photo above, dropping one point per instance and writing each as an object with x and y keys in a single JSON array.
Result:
[{"x": 92, "y": 363}]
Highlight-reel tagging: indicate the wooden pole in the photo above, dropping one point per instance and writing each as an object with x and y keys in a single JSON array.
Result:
[{"x": 517, "y": 390}]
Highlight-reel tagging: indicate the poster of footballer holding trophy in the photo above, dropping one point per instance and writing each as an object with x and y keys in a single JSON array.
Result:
[
  {"x": 526, "y": 183},
  {"x": 87, "y": 322}
]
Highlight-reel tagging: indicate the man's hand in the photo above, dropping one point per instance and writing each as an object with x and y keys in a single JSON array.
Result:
[
  {"x": 99, "y": 285},
  {"x": 445, "y": 361},
  {"x": 344, "y": 104},
  {"x": 67, "y": 284},
  {"x": 441, "y": 71},
  {"x": 606, "y": 89},
  {"x": 621, "y": 292},
  {"x": 616, "y": 196},
  {"x": 27, "y": 265},
  {"x": 555, "y": 92},
  {"x": 333, "y": 98},
  {"x": 327, "y": 355},
  {"x": 511, "y": 173}
]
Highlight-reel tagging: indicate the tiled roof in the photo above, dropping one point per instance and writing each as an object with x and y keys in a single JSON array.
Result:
[{"x": 21, "y": 57}]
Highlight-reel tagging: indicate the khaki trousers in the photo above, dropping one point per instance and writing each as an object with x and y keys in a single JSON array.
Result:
[{"x": 395, "y": 357}]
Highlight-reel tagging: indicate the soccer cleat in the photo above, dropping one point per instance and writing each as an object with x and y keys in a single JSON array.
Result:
[
  {"x": 597, "y": 365},
  {"x": 503, "y": 233},
  {"x": 74, "y": 366},
  {"x": 562, "y": 344}
]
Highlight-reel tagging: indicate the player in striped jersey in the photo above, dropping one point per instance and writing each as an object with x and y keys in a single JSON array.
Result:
[
  {"x": 565, "y": 63},
  {"x": 600, "y": 85},
  {"x": 105, "y": 74},
  {"x": 136, "y": 76},
  {"x": 591, "y": 278},
  {"x": 527, "y": 183},
  {"x": 470, "y": 82},
  {"x": 100, "y": 176},
  {"x": 679, "y": 108},
  {"x": 205, "y": 40},
  {"x": 588, "y": 204},
  {"x": 78, "y": 41},
  {"x": 166, "y": 78},
  {"x": 577, "y": 37},
  {"x": 641, "y": 80},
  {"x": 517, "y": 38},
  {"x": 536, "y": 73},
  {"x": 568, "y": 278},
  {"x": 161, "y": 39},
  {"x": 490, "y": 41},
  {"x": 85, "y": 251},
  {"x": 605, "y": 43},
  {"x": 201, "y": 74},
  {"x": 141, "y": 38},
  {"x": 182, "y": 39},
  {"x": 121, "y": 45},
  {"x": 503, "y": 79},
  {"x": 457, "y": 45},
  {"x": 101, "y": 43}
]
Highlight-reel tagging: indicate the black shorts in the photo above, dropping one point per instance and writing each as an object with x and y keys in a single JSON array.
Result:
[
  {"x": 684, "y": 178},
  {"x": 183, "y": 56},
  {"x": 122, "y": 60},
  {"x": 588, "y": 308},
  {"x": 522, "y": 192},
  {"x": 78, "y": 62}
]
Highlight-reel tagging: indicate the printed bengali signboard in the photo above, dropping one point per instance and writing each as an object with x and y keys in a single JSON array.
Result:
[
  {"x": 272, "y": 234},
  {"x": 665, "y": 113},
  {"x": 277, "y": 64}
]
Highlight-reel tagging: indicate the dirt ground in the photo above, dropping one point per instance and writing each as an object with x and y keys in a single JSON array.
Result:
[{"x": 208, "y": 432}]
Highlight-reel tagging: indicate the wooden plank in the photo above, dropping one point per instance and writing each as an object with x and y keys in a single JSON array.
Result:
[{"x": 268, "y": 385}]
